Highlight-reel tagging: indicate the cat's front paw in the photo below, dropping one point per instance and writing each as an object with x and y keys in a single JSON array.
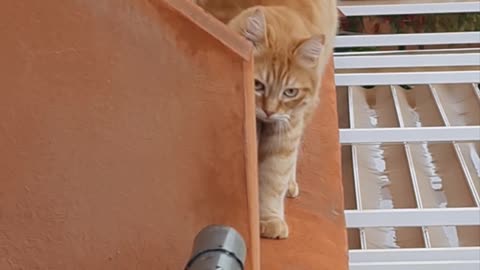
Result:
[
  {"x": 274, "y": 228},
  {"x": 293, "y": 190}
]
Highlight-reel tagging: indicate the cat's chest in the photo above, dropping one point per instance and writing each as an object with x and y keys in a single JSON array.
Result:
[{"x": 271, "y": 136}]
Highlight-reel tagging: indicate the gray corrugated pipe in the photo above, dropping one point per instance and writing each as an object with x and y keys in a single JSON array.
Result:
[{"x": 217, "y": 247}]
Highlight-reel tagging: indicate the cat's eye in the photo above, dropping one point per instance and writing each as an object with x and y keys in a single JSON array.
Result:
[
  {"x": 290, "y": 92},
  {"x": 259, "y": 86}
]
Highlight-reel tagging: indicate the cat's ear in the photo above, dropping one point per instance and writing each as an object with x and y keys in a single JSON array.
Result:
[
  {"x": 309, "y": 50},
  {"x": 255, "y": 27}
]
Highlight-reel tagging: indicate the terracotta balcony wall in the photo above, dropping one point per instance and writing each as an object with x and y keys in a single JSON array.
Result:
[{"x": 126, "y": 126}]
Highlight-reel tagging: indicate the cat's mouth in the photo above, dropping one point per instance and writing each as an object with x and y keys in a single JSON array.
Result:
[
  {"x": 267, "y": 120},
  {"x": 273, "y": 118}
]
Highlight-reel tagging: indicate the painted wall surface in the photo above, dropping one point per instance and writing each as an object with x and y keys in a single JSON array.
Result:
[
  {"x": 125, "y": 127},
  {"x": 128, "y": 125}
]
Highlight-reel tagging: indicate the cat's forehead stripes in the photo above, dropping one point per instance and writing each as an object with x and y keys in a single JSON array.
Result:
[
  {"x": 264, "y": 75},
  {"x": 290, "y": 81},
  {"x": 278, "y": 76}
]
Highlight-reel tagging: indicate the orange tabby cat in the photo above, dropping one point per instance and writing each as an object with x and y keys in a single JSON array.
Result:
[{"x": 293, "y": 41}]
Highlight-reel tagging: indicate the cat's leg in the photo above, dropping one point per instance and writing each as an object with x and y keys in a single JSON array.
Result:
[
  {"x": 274, "y": 174},
  {"x": 272, "y": 191},
  {"x": 293, "y": 189}
]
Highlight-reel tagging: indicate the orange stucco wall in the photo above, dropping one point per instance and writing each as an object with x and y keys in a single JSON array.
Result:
[
  {"x": 125, "y": 127},
  {"x": 128, "y": 125}
]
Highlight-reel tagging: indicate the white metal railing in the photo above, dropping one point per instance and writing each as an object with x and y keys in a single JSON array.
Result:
[
  {"x": 400, "y": 135},
  {"x": 469, "y": 216},
  {"x": 411, "y": 166},
  {"x": 420, "y": 217},
  {"x": 420, "y": 77},
  {"x": 458, "y": 152},
  {"x": 407, "y": 39},
  {"x": 467, "y": 258},
  {"x": 409, "y": 60},
  {"x": 388, "y": 7},
  {"x": 414, "y": 67},
  {"x": 404, "y": 52},
  {"x": 421, "y": 265},
  {"x": 417, "y": 254}
]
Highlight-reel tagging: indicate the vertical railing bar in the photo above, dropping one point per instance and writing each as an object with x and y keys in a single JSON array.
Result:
[
  {"x": 476, "y": 90},
  {"x": 439, "y": 105},
  {"x": 461, "y": 158},
  {"x": 356, "y": 175},
  {"x": 411, "y": 166}
]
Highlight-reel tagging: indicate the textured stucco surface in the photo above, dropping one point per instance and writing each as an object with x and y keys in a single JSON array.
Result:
[
  {"x": 124, "y": 129},
  {"x": 126, "y": 126}
]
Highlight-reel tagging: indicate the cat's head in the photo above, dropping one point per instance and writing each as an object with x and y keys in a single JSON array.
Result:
[{"x": 286, "y": 62}]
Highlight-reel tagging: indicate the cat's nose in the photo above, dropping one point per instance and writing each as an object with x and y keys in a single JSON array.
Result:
[{"x": 269, "y": 113}]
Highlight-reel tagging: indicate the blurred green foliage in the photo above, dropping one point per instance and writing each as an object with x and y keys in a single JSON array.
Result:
[
  {"x": 419, "y": 23},
  {"x": 423, "y": 23}
]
